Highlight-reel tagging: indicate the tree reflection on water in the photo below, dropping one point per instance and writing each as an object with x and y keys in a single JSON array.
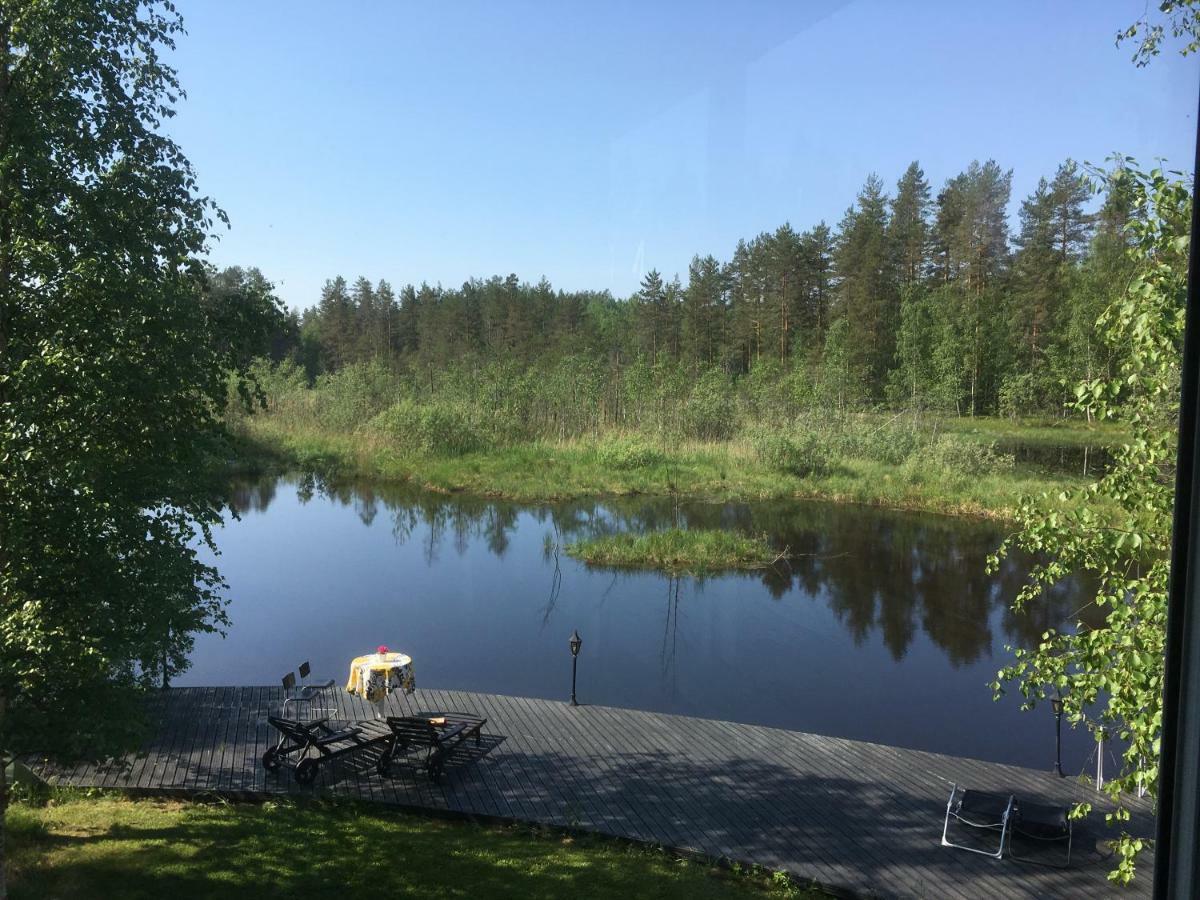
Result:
[{"x": 892, "y": 573}]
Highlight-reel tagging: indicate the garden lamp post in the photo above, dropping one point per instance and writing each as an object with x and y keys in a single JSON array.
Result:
[
  {"x": 574, "y": 643},
  {"x": 1056, "y": 704}
]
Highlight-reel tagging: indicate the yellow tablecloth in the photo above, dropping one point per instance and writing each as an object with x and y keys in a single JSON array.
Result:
[{"x": 375, "y": 675}]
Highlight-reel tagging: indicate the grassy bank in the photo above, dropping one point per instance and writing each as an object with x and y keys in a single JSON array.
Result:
[
  {"x": 1036, "y": 432},
  {"x": 110, "y": 847},
  {"x": 942, "y": 477},
  {"x": 676, "y": 550}
]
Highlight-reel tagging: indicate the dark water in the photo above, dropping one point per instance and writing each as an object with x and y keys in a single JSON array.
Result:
[{"x": 882, "y": 626}]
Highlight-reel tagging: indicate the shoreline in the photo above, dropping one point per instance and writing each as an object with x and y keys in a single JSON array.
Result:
[{"x": 547, "y": 472}]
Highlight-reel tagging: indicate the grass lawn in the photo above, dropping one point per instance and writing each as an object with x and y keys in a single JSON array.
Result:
[
  {"x": 676, "y": 550},
  {"x": 112, "y": 848}
]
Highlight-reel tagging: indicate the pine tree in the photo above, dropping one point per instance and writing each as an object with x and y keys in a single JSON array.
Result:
[
  {"x": 651, "y": 303},
  {"x": 387, "y": 335},
  {"x": 335, "y": 324},
  {"x": 785, "y": 285},
  {"x": 1053, "y": 237},
  {"x": 971, "y": 226},
  {"x": 365, "y": 320},
  {"x": 817, "y": 246},
  {"x": 867, "y": 290},
  {"x": 908, "y": 230},
  {"x": 1038, "y": 278},
  {"x": 1069, "y": 192},
  {"x": 748, "y": 295},
  {"x": 703, "y": 312},
  {"x": 670, "y": 317}
]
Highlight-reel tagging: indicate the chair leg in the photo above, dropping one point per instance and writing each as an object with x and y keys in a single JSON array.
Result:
[
  {"x": 1004, "y": 829},
  {"x": 946, "y": 822}
]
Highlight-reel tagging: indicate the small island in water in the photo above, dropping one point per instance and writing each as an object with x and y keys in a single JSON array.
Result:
[{"x": 677, "y": 550}]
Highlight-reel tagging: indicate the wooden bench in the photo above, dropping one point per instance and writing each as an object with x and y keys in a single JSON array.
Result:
[{"x": 437, "y": 734}]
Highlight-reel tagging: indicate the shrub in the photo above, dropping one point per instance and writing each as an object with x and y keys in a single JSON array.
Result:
[
  {"x": 801, "y": 454},
  {"x": 709, "y": 412},
  {"x": 961, "y": 456},
  {"x": 447, "y": 429},
  {"x": 437, "y": 428},
  {"x": 629, "y": 453},
  {"x": 889, "y": 444},
  {"x": 347, "y": 399},
  {"x": 1018, "y": 395}
]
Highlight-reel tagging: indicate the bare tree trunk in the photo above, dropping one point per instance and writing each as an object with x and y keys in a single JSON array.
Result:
[
  {"x": 3, "y": 798},
  {"x": 6, "y": 242}
]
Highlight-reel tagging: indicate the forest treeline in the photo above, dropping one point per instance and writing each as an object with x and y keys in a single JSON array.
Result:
[{"x": 915, "y": 300}]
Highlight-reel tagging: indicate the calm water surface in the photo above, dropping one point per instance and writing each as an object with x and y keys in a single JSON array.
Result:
[{"x": 882, "y": 626}]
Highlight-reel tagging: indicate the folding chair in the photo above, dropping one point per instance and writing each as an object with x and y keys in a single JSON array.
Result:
[
  {"x": 316, "y": 689},
  {"x": 298, "y": 695},
  {"x": 1039, "y": 825},
  {"x": 982, "y": 811}
]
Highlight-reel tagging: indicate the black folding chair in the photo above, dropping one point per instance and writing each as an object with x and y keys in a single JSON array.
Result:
[
  {"x": 980, "y": 811},
  {"x": 315, "y": 689},
  {"x": 1036, "y": 826},
  {"x": 301, "y": 696},
  {"x": 315, "y": 743}
]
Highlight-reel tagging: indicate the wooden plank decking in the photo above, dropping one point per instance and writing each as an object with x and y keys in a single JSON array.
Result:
[{"x": 857, "y": 816}]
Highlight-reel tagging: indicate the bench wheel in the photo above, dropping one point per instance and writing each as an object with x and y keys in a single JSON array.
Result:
[
  {"x": 384, "y": 763},
  {"x": 270, "y": 759},
  {"x": 306, "y": 771}
]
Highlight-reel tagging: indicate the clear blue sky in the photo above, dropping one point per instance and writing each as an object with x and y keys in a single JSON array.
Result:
[{"x": 588, "y": 144}]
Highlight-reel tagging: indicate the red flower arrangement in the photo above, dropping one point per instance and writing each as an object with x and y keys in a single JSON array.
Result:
[{"x": 382, "y": 648}]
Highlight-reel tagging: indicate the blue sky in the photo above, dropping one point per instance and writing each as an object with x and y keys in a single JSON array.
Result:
[{"x": 590, "y": 143}]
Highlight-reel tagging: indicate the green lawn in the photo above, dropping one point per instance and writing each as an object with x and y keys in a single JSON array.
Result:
[{"x": 113, "y": 848}]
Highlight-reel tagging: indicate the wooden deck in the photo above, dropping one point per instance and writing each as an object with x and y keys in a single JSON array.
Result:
[{"x": 861, "y": 817}]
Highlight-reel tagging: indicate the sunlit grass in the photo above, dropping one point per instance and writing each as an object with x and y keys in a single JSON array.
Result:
[
  {"x": 1037, "y": 432},
  {"x": 676, "y": 550},
  {"x": 110, "y": 847},
  {"x": 719, "y": 471}
]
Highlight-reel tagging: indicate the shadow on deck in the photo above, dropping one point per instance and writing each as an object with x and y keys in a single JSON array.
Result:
[{"x": 861, "y": 817}]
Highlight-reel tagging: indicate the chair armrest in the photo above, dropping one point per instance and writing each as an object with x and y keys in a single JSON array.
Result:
[{"x": 452, "y": 732}]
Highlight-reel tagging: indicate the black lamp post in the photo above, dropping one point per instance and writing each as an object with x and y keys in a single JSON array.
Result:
[
  {"x": 1056, "y": 704},
  {"x": 574, "y": 643}
]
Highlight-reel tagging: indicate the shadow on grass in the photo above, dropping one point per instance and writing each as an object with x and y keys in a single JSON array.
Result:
[{"x": 155, "y": 849}]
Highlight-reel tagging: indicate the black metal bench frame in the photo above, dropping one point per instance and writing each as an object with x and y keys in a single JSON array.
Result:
[
  {"x": 438, "y": 741},
  {"x": 306, "y": 738}
]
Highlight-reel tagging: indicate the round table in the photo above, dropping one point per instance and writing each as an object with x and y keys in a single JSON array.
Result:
[{"x": 375, "y": 675}]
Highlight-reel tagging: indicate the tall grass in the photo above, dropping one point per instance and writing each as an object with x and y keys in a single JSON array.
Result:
[
  {"x": 467, "y": 434},
  {"x": 676, "y": 550}
]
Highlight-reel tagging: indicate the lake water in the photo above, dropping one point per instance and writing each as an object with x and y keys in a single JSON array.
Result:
[{"x": 882, "y": 626}]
